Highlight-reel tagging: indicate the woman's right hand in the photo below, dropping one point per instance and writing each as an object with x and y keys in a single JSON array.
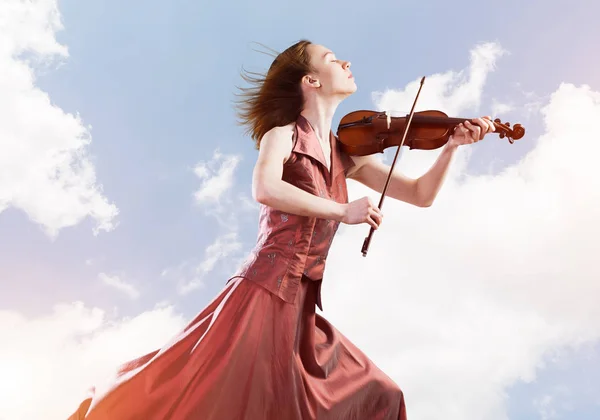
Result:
[{"x": 362, "y": 211}]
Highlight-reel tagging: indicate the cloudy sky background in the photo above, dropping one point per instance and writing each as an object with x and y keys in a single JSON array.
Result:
[{"x": 125, "y": 196}]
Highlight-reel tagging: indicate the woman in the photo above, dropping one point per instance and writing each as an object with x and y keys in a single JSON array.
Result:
[{"x": 259, "y": 350}]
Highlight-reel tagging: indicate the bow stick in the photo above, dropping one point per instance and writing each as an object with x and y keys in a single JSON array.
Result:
[{"x": 367, "y": 240}]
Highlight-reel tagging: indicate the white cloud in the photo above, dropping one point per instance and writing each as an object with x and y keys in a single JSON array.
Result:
[
  {"x": 190, "y": 275},
  {"x": 216, "y": 196},
  {"x": 461, "y": 300},
  {"x": 545, "y": 408},
  {"x": 555, "y": 405},
  {"x": 119, "y": 284},
  {"x": 216, "y": 176},
  {"x": 500, "y": 108},
  {"x": 467, "y": 86},
  {"x": 44, "y": 167},
  {"x": 49, "y": 362}
]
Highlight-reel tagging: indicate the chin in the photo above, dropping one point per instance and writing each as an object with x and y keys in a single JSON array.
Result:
[
  {"x": 351, "y": 88},
  {"x": 346, "y": 91}
]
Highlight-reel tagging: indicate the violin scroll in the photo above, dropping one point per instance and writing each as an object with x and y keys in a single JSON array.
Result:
[{"x": 504, "y": 130}]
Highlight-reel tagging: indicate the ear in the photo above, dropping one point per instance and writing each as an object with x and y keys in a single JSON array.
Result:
[{"x": 311, "y": 81}]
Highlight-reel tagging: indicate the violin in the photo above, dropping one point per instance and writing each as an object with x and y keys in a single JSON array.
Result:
[{"x": 367, "y": 132}]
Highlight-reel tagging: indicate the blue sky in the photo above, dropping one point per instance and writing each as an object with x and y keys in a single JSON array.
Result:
[{"x": 155, "y": 82}]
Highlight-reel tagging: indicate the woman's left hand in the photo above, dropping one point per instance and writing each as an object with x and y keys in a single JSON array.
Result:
[{"x": 471, "y": 131}]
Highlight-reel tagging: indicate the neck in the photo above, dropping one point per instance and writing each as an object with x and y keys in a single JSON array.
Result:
[{"x": 319, "y": 113}]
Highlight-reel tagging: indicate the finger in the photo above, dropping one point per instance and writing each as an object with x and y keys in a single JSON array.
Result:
[
  {"x": 378, "y": 211},
  {"x": 374, "y": 208},
  {"x": 372, "y": 214},
  {"x": 483, "y": 128},
  {"x": 377, "y": 216},
  {"x": 474, "y": 129},
  {"x": 460, "y": 132},
  {"x": 487, "y": 125},
  {"x": 371, "y": 222},
  {"x": 461, "y": 127},
  {"x": 465, "y": 134},
  {"x": 482, "y": 123}
]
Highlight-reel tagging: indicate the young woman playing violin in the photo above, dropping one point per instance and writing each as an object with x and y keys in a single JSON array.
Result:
[{"x": 259, "y": 351}]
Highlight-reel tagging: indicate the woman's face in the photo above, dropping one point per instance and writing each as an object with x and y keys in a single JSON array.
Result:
[{"x": 332, "y": 76}]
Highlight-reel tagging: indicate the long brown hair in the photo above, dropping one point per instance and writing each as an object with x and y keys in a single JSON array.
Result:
[{"x": 275, "y": 99}]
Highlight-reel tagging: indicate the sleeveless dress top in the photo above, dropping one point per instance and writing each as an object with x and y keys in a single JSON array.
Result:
[{"x": 290, "y": 246}]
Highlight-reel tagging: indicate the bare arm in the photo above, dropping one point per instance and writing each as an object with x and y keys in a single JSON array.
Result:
[
  {"x": 268, "y": 188},
  {"x": 420, "y": 192}
]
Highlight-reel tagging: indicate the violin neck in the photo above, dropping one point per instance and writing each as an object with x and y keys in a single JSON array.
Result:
[
  {"x": 453, "y": 122},
  {"x": 437, "y": 121}
]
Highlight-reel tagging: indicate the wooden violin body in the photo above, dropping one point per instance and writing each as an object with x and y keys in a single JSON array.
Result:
[{"x": 366, "y": 132}]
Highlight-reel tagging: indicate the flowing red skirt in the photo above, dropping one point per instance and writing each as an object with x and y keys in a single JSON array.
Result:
[{"x": 249, "y": 355}]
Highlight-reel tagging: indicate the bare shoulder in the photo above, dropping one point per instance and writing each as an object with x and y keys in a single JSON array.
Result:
[{"x": 278, "y": 142}]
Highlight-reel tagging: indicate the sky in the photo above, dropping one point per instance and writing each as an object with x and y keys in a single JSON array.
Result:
[{"x": 125, "y": 195}]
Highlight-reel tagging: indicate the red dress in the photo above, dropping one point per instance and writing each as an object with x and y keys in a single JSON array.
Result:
[{"x": 259, "y": 351}]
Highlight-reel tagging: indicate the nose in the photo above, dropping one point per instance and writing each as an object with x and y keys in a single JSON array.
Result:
[{"x": 347, "y": 64}]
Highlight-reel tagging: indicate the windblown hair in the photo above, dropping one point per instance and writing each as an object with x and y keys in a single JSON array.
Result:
[{"x": 275, "y": 99}]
